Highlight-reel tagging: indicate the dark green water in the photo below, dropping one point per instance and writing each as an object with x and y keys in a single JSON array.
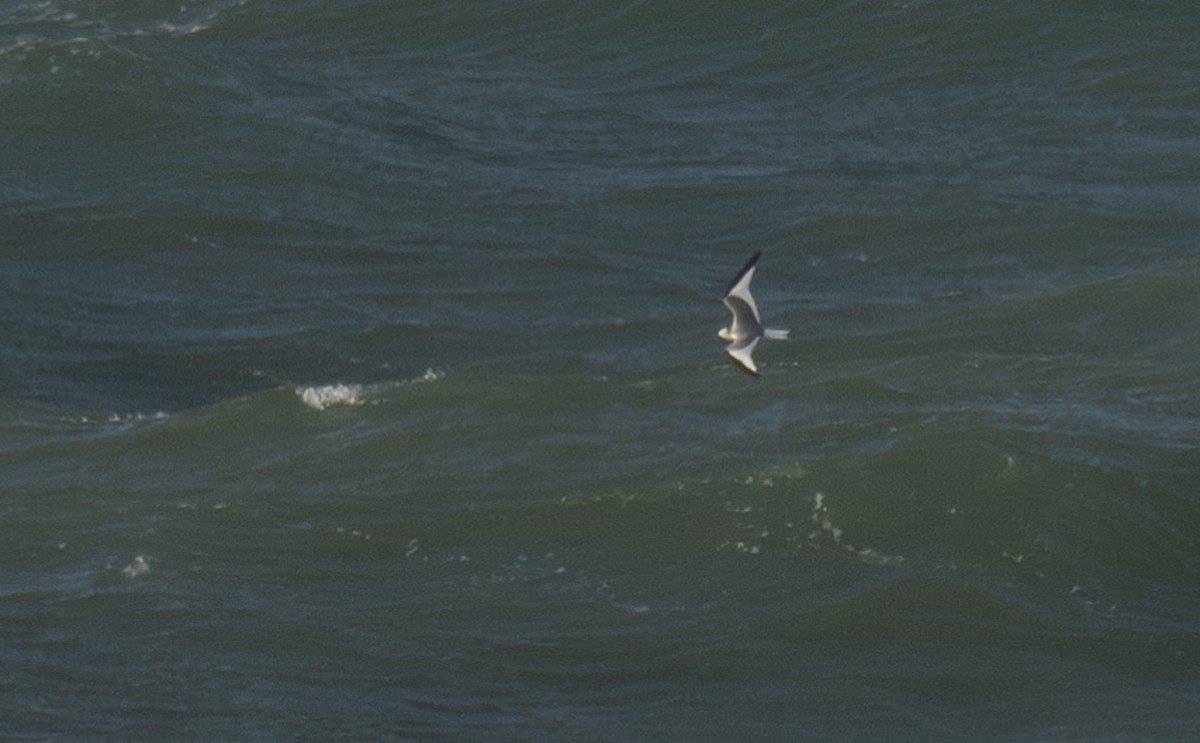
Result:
[{"x": 359, "y": 373}]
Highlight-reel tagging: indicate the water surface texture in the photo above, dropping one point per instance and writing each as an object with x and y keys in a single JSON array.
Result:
[{"x": 359, "y": 375}]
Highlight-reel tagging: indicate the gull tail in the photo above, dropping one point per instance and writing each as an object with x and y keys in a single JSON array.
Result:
[{"x": 775, "y": 334}]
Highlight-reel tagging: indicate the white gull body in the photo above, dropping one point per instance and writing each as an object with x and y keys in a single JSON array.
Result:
[{"x": 746, "y": 330}]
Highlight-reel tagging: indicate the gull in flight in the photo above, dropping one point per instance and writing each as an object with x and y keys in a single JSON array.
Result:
[{"x": 746, "y": 329}]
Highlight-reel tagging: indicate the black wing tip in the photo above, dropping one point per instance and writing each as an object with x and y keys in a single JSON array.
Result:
[{"x": 749, "y": 265}]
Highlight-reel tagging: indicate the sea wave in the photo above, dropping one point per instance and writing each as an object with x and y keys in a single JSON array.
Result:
[
  {"x": 960, "y": 501},
  {"x": 319, "y": 398}
]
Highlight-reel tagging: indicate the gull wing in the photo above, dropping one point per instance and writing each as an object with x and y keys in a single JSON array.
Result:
[
  {"x": 743, "y": 354},
  {"x": 745, "y": 317},
  {"x": 740, "y": 286},
  {"x": 746, "y": 321}
]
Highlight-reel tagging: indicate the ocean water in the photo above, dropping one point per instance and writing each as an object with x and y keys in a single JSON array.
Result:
[{"x": 359, "y": 376}]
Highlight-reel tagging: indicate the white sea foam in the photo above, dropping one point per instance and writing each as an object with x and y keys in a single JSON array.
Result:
[
  {"x": 137, "y": 568},
  {"x": 319, "y": 398},
  {"x": 118, "y": 418}
]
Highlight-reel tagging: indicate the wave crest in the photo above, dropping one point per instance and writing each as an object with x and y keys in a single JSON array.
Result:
[{"x": 319, "y": 398}]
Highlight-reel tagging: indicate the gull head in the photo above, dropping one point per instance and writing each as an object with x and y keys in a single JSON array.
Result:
[{"x": 724, "y": 334}]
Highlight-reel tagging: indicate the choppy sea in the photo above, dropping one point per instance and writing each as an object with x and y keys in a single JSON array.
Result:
[{"x": 359, "y": 376}]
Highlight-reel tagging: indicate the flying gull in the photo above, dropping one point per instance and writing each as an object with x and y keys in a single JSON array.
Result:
[{"x": 746, "y": 329}]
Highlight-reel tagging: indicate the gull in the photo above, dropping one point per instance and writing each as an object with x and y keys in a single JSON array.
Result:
[{"x": 746, "y": 329}]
